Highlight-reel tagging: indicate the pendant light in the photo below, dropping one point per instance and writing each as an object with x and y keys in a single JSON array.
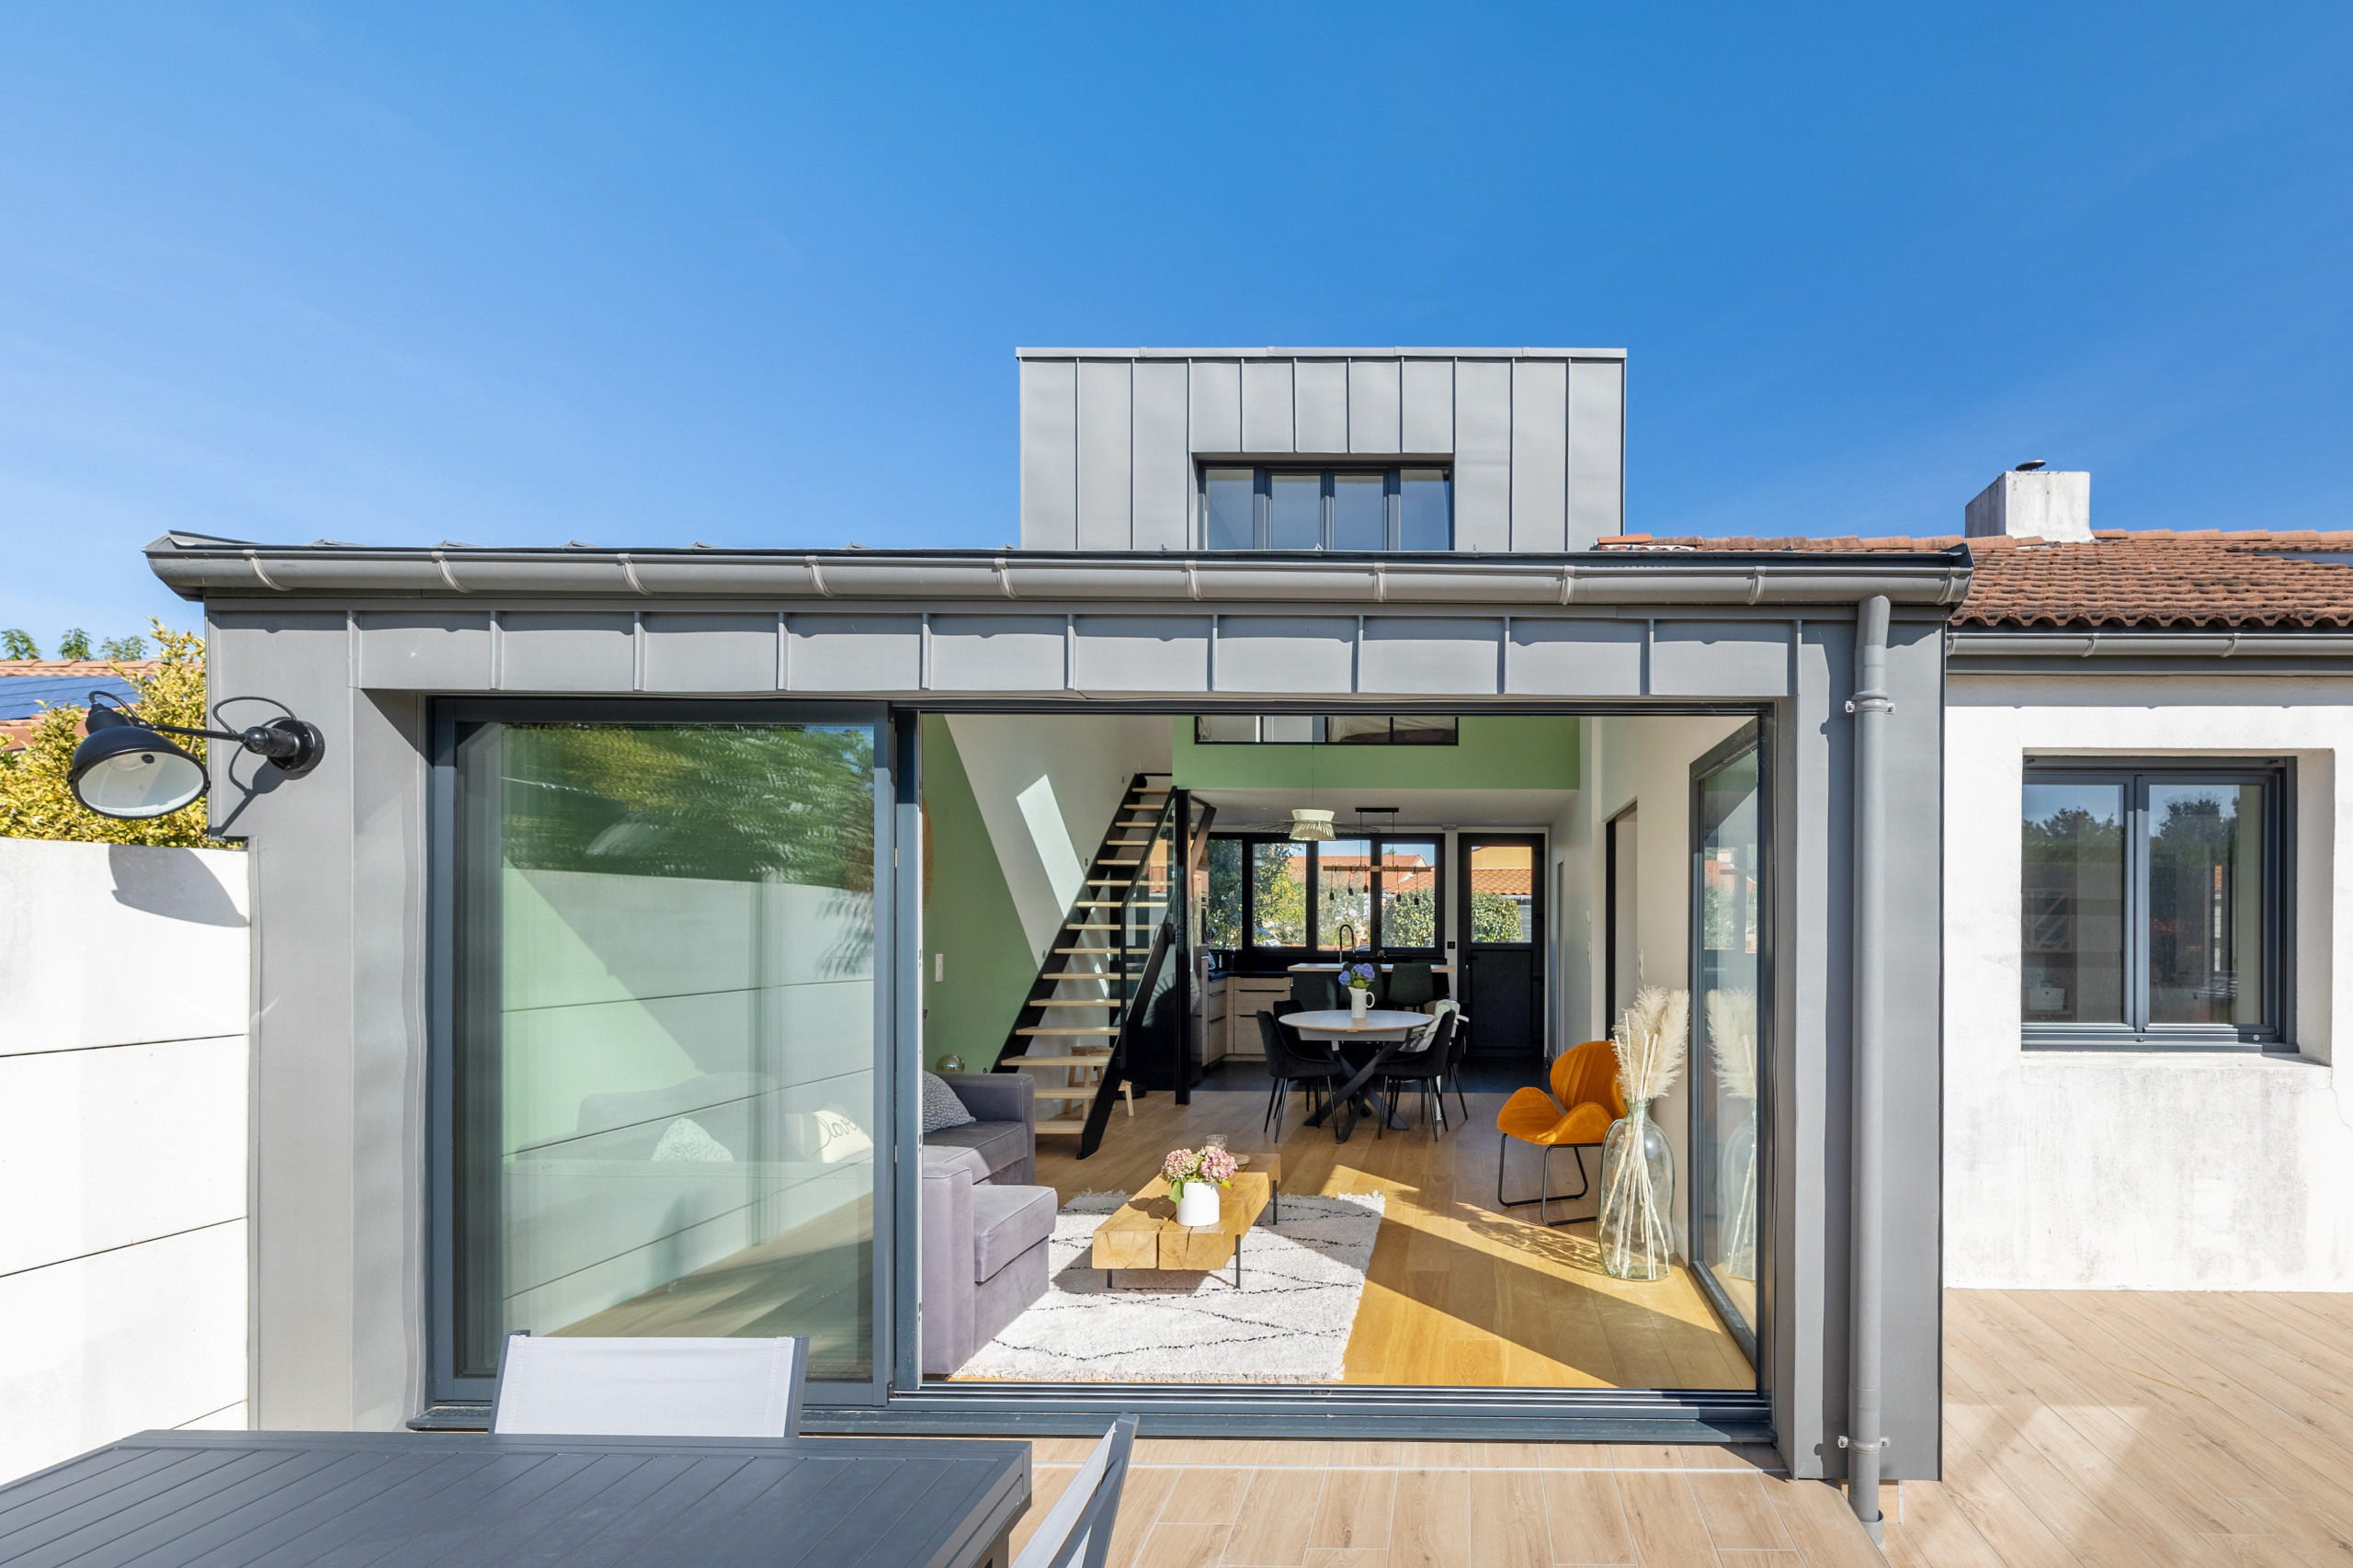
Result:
[{"x": 1308, "y": 823}]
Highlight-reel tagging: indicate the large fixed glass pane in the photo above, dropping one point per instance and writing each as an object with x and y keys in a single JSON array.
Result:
[
  {"x": 1503, "y": 892},
  {"x": 1409, "y": 895},
  {"x": 1229, "y": 509},
  {"x": 1422, "y": 729},
  {"x": 1724, "y": 1107},
  {"x": 1224, "y": 728},
  {"x": 2071, "y": 942},
  {"x": 1359, "y": 511},
  {"x": 1425, "y": 509},
  {"x": 1222, "y": 910},
  {"x": 1343, "y": 894},
  {"x": 2206, "y": 904},
  {"x": 666, "y": 1035},
  {"x": 1357, "y": 729},
  {"x": 1295, "y": 517},
  {"x": 1278, "y": 895}
]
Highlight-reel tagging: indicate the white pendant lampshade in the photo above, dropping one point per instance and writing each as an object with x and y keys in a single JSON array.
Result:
[{"x": 1311, "y": 823}]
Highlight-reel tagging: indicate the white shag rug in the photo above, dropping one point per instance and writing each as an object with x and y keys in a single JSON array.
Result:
[{"x": 1288, "y": 1324}]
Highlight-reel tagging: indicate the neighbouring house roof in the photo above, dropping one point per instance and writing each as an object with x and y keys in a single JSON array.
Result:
[
  {"x": 30, "y": 686},
  {"x": 2144, "y": 578}
]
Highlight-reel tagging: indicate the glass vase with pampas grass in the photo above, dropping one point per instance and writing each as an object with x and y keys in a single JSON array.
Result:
[
  {"x": 1731, "y": 1048},
  {"x": 1637, "y": 1167}
]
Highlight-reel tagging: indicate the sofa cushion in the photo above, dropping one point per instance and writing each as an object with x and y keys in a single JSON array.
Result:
[
  {"x": 942, "y": 1157},
  {"x": 1006, "y": 1223},
  {"x": 998, "y": 1143},
  {"x": 940, "y": 1106}
]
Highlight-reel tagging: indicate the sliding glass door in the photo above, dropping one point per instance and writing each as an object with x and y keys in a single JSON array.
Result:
[
  {"x": 1727, "y": 1067},
  {"x": 662, "y": 1114}
]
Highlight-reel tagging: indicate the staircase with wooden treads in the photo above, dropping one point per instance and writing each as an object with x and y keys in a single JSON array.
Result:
[{"x": 1077, "y": 1009}]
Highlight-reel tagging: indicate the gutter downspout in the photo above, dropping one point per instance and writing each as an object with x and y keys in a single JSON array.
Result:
[{"x": 1863, "y": 1441}]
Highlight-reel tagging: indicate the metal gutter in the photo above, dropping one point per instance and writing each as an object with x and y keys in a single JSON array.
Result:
[
  {"x": 2077, "y": 650},
  {"x": 1319, "y": 354},
  {"x": 198, "y": 568}
]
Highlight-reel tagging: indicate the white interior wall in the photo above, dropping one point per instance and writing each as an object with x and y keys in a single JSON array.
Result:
[
  {"x": 1047, "y": 785},
  {"x": 123, "y": 1093},
  {"x": 2141, "y": 1170}
]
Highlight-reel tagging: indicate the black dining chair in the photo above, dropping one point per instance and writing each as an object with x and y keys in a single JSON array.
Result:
[
  {"x": 1287, "y": 1064},
  {"x": 1314, "y": 993},
  {"x": 1411, "y": 986},
  {"x": 1433, "y": 1067}
]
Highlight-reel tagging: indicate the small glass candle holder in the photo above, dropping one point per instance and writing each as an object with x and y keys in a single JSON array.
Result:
[{"x": 1214, "y": 1140}]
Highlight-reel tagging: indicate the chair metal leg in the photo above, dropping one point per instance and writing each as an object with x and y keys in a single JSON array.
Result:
[{"x": 1545, "y": 1196}]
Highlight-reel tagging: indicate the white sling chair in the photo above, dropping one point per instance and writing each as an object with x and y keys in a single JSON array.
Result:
[
  {"x": 650, "y": 1388},
  {"x": 1083, "y": 1516}
]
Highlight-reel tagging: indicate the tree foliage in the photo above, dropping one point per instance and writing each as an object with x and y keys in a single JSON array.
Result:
[
  {"x": 73, "y": 645},
  {"x": 16, "y": 644},
  {"x": 34, "y": 800}
]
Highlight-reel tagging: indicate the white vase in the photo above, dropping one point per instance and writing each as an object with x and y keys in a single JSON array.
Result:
[
  {"x": 1360, "y": 1004},
  {"x": 1198, "y": 1204}
]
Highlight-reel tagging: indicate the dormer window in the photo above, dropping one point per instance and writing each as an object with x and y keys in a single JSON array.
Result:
[{"x": 1326, "y": 509}]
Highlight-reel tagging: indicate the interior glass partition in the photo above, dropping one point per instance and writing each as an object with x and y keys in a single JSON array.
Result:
[
  {"x": 1727, "y": 953},
  {"x": 664, "y": 1041}
]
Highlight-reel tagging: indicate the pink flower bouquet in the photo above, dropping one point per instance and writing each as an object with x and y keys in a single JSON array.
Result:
[{"x": 1213, "y": 1166}]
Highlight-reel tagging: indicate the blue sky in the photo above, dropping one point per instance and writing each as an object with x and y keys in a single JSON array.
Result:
[{"x": 646, "y": 275}]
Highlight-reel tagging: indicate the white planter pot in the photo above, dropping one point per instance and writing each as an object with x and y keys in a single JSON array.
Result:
[{"x": 1198, "y": 1205}]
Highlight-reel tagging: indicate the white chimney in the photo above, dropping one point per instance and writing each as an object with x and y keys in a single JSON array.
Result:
[{"x": 2033, "y": 500}]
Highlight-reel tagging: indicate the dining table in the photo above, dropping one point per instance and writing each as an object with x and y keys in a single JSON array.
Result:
[
  {"x": 1364, "y": 1046},
  {"x": 474, "y": 1500}
]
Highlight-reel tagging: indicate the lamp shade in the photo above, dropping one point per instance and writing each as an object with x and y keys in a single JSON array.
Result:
[
  {"x": 124, "y": 769},
  {"x": 1309, "y": 823}
]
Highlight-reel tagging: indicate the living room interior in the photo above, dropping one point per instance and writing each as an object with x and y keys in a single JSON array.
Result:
[{"x": 1143, "y": 917}]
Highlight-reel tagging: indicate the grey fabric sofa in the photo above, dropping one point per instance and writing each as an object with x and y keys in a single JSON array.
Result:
[{"x": 1006, "y": 1134}]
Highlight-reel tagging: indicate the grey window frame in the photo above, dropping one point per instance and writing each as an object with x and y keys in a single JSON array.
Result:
[
  {"x": 896, "y": 1161},
  {"x": 1251, "y": 955},
  {"x": 2277, "y": 777},
  {"x": 1262, "y": 500}
]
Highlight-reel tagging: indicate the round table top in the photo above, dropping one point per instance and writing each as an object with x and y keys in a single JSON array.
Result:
[{"x": 1380, "y": 1023}]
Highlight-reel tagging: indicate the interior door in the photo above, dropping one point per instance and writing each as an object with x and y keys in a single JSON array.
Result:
[{"x": 1502, "y": 942}]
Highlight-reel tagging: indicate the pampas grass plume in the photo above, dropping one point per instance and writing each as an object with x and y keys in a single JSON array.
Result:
[
  {"x": 1732, "y": 1040},
  {"x": 1650, "y": 1039}
]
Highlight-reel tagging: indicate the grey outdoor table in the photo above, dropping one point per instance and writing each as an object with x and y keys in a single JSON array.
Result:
[{"x": 402, "y": 1500}]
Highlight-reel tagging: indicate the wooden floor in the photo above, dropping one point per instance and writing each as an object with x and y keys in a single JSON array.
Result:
[
  {"x": 2118, "y": 1430},
  {"x": 1305, "y": 1505},
  {"x": 1460, "y": 1291}
]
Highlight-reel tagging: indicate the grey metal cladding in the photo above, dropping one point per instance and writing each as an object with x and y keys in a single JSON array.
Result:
[
  {"x": 1720, "y": 658},
  {"x": 566, "y": 651},
  {"x": 854, "y": 652},
  {"x": 1106, "y": 440},
  {"x": 1555, "y": 657},
  {"x": 1049, "y": 455},
  {"x": 1597, "y": 492},
  {"x": 1293, "y": 654},
  {"x": 1373, "y": 395},
  {"x": 998, "y": 653},
  {"x": 1433, "y": 656},
  {"x": 1140, "y": 653},
  {"x": 1540, "y": 454},
  {"x": 423, "y": 650},
  {"x": 1215, "y": 388},
  {"x": 1267, "y": 406},
  {"x": 1320, "y": 398},
  {"x": 689, "y": 650},
  {"x": 1483, "y": 455},
  {"x": 1163, "y": 466},
  {"x": 1426, "y": 412}
]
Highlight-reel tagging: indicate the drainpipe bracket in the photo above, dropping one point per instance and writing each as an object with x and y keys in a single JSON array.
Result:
[{"x": 1870, "y": 702}]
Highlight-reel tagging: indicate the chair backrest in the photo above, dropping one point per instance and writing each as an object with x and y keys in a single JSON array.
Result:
[
  {"x": 650, "y": 1388},
  {"x": 1316, "y": 992},
  {"x": 1284, "y": 1059},
  {"x": 1587, "y": 1074},
  {"x": 1082, "y": 1517},
  {"x": 1446, "y": 1044},
  {"x": 1412, "y": 985}
]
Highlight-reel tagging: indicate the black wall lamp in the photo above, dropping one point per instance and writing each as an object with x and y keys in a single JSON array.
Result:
[{"x": 124, "y": 768}]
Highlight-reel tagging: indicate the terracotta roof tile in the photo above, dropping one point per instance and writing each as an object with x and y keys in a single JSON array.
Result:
[{"x": 2155, "y": 577}]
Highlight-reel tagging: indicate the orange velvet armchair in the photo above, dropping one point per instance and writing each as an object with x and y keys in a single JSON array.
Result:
[{"x": 1575, "y": 1116}]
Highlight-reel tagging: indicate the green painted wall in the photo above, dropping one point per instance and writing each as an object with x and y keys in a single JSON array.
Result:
[
  {"x": 1493, "y": 754},
  {"x": 968, "y": 915}
]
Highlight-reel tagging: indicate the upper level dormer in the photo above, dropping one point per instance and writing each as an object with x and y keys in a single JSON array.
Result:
[{"x": 1491, "y": 450}]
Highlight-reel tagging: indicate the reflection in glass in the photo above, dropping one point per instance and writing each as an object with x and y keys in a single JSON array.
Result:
[
  {"x": 1222, "y": 910},
  {"x": 1422, "y": 729},
  {"x": 1359, "y": 512},
  {"x": 1278, "y": 895},
  {"x": 2205, "y": 904},
  {"x": 1726, "y": 1064},
  {"x": 1357, "y": 729},
  {"x": 1343, "y": 894},
  {"x": 1426, "y": 509},
  {"x": 1408, "y": 894},
  {"x": 666, "y": 1035},
  {"x": 2072, "y": 905},
  {"x": 1229, "y": 509},
  {"x": 1503, "y": 892},
  {"x": 1295, "y": 518}
]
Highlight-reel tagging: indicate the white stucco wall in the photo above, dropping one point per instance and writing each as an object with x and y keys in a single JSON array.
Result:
[
  {"x": 2142, "y": 1170},
  {"x": 123, "y": 1085}
]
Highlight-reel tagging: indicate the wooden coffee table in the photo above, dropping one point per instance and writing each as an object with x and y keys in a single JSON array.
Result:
[{"x": 1143, "y": 1233}]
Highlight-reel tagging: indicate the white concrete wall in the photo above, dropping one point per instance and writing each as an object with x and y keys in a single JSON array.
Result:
[
  {"x": 2159, "y": 1171},
  {"x": 123, "y": 1084}
]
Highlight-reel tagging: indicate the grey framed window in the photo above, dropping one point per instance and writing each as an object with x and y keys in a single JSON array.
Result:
[
  {"x": 2154, "y": 903},
  {"x": 1326, "y": 509},
  {"x": 1277, "y": 901},
  {"x": 1349, "y": 730}
]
